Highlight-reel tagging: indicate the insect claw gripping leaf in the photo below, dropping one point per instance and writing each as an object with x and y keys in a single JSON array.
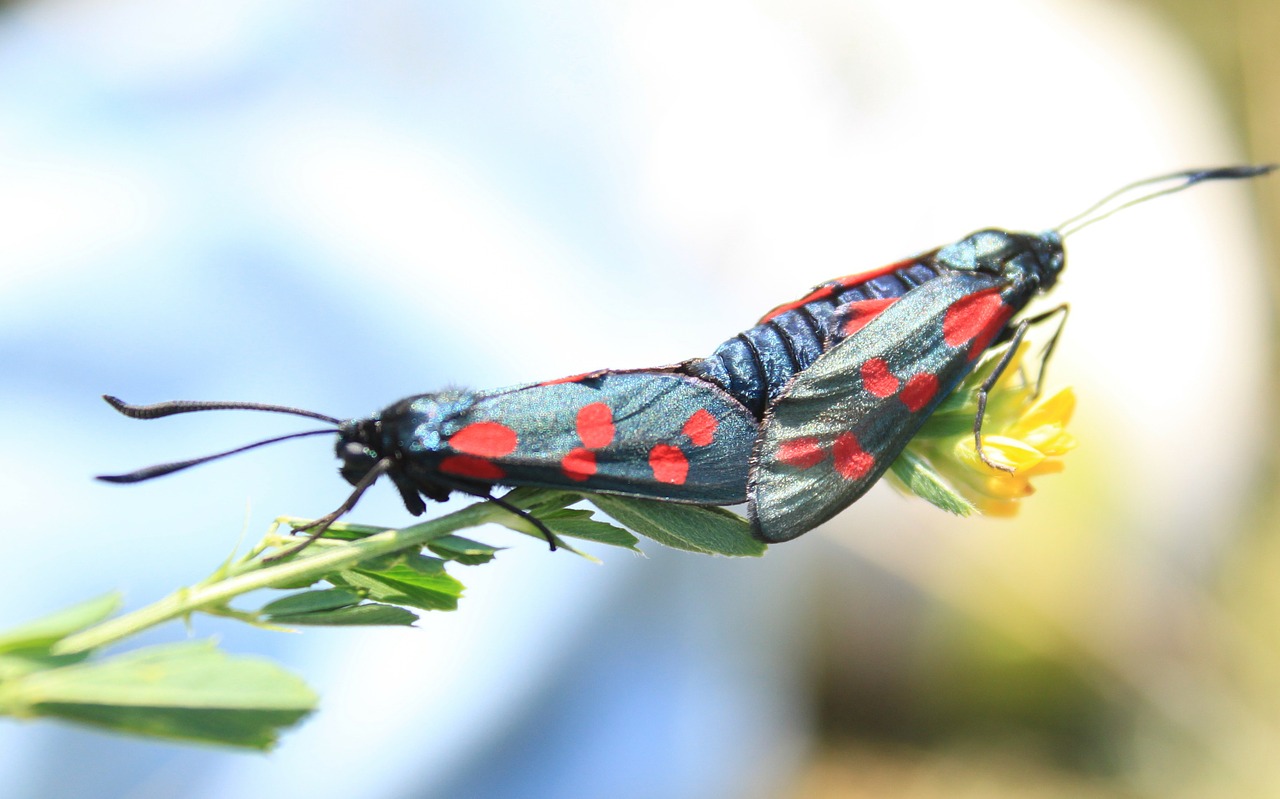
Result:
[{"x": 798, "y": 415}]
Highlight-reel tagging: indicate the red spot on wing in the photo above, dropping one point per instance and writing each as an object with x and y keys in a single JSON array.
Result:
[
  {"x": 919, "y": 390},
  {"x": 486, "y": 439},
  {"x": 579, "y": 464},
  {"x": 989, "y": 332},
  {"x": 700, "y": 427},
  {"x": 801, "y": 453},
  {"x": 858, "y": 314},
  {"x": 595, "y": 425},
  {"x": 877, "y": 378},
  {"x": 827, "y": 290},
  {"x": 977, "y": 318},
  {"x": 851, "y": 461},
  {"x": 471, "y": 466},
  {"x": 669, "y": 464}
]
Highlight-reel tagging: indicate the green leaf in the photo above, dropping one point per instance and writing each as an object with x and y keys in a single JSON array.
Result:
[
  {"x": 541, "y": 500},
  {"x": 188, "y": 691},
  {"x": 369, "y": 614},
  {"x": 44, "y": 632},
  {"x": 576, "y": 523},
  {"x": 551, "y": 507},
  {"x": 922, "y": 480},
  {"x": 696, "y": 528},
  {"x": 18, "y": 664},
  {"x": 383, "y": 589},
  {"x": 462, "y": 550},
  {"x": 341, "y": 531},
  {"x": 311, "y": 602},
  {"x": 415, "y": 580}
]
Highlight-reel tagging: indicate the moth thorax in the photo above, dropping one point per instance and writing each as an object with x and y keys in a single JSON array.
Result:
[{"x": 1013, "y": 256}]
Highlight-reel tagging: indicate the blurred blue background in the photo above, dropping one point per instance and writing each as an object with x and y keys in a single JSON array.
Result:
[{"x": 333, "y": 205}]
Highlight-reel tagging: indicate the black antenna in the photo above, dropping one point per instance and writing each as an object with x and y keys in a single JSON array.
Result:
[
  {"x": 161, "y": 409},
  {"x": 1156, "y": 187},
  {"x": 161, "y": 469}
]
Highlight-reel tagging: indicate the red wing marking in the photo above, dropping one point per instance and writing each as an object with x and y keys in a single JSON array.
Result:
[
  {"x": 989, "y": 332},
  {"x": 828, "y": 290},
  {"x": 669, "y": 464},
  {"x": 852, "y": 462},
  {"x": 569, "y": 379},
  {"x": 471, "y": 466},
  {"x": 486, "y": 439},
  {"x": 858, "y": 314},
  {"x": 700, "y": 427},
  {"x": 595, "y": 425},
  {"x": 969, "y": 316},
  {"x": 579, "y": 464},
  {"x": 802, "y": 453},
  {"x": 820, "y": 293},
  {"x": 877, "y": 378},
  {"x": 918, "y": 391},
  {"x": 977, "y": 318}
]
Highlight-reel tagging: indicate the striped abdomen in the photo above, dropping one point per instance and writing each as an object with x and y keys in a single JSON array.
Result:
[{"x": 755, "y": 364}]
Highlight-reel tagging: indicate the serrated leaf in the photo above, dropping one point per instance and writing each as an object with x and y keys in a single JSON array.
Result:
[
  {"x": 45, "y": 632},
  {"x": 923, "y": 481},
  {"x": 311, "y": 602},
  {"x": 462, "y": 550},
  {"x": 369, "y": 614},
  {"x": 694, "y": 528},
  {"x": 187, "y": 691}
]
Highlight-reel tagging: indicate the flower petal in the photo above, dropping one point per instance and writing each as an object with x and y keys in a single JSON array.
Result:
[
  {"x": 1055, "y": 410},
  {"x": 999, "y": 508},
  {"x": 1000, "y": 450},
  {"x": 1008, "y": 486}
]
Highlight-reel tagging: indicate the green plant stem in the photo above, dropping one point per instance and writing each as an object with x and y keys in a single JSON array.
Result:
[{"x": 309, "y": 566}]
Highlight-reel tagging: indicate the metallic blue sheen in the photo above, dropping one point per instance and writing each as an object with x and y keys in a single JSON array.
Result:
[
  {"x": 829, "y": 400},
  {"x": 649, "y": 408},
  {"x": 797, "y": 371},
  {"x": 756, "y": 364}
]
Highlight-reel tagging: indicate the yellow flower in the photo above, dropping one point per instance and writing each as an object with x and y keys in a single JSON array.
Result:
[{"x": 1025, "y": 436}]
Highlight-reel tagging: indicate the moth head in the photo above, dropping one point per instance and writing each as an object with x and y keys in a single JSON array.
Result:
[
  {"x": 359, "y": 447},
  {"x": 1012, "y": 256}
]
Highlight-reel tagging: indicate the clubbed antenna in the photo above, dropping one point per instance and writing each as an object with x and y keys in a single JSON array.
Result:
[
  {"x": 1152, "y": 188},
  {"x": 171, "y": 408},
  {"x": 161, "y": 409},
  {"x": 161, "y": 469}
]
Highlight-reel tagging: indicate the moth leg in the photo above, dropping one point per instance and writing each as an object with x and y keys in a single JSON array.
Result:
[
  {"x": 484, "y": 491},
  {"x": 527, "y": 516},
  {"x": 1014, "y": 340},
  {"x": 318, "y": 526},
  {"x": 1019, "y": 332},
  {"x": 1064, "y": 309}
]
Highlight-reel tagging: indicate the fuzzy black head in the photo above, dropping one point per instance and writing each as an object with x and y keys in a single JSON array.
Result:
[
  {"x": 404, "y": 441},
  {"x": 358, "y": 447}
]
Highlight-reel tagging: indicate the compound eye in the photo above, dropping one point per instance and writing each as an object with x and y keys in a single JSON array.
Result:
[
  {"x": 352, "y": 451},
  {"x": 357, "y": 460}
]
